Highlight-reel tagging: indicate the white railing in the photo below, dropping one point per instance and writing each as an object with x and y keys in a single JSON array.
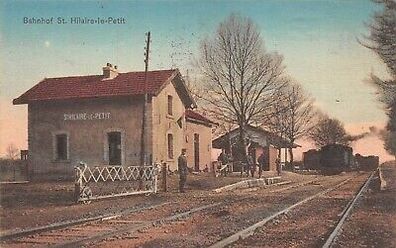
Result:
[{"x": 106, "y": 181}]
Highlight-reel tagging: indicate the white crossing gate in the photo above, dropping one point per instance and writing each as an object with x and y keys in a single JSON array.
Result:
[{"x": 106, "y": 181}]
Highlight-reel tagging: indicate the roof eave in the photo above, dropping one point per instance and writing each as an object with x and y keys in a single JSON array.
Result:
[
  {"x": 206, "y": 123},
  {"x": 191, "y": 102},
  {"x": 258, "y": 129},
  {"x": 21, "y": 100},
  {"x": 18, "y": 101}
]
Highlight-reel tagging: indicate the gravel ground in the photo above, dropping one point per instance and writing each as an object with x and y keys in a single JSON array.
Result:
[
  {"x": 204, "y": 228},
  {"x": 308, "y": 225},
  {"x": 373, "y": 222},
  {"x": 42, "y": 203}
]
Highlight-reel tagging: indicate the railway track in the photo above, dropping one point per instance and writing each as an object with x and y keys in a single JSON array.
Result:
[
  {"x": 345, "y": 213},
  {"x": 77, "y": 233},
  {"x": 59, "y": 225},
  {"x": 129, "y": 226},
  {"x": 251, "y": 236}
]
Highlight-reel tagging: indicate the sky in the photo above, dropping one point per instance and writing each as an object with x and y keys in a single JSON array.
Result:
[{"x": 317, "y": 38}]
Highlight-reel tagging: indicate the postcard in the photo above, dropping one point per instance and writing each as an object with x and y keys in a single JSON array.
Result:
[{"x": 197, "y": 123}]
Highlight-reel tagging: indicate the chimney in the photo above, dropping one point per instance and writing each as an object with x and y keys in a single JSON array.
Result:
[{"x": 109, "y": 72}]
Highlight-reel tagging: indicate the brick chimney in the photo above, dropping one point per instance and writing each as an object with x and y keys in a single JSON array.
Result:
[{"x": 109, "y": 72}]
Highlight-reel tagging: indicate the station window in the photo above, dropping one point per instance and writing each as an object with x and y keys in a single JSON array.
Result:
[
  {"x": 61, "y": 146},
  {"x": 170, "y": 146},
  {"x": 170, "y": 105}
]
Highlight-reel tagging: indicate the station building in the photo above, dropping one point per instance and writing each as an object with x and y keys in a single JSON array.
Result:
[
  {"x": 260, "y": 141},
  {"x": 97, "y": 119}
]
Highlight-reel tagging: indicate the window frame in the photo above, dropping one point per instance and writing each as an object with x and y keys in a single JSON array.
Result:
[
  {"x": 106, "y": 151},
  {"x": 170, "y": 145},
  {"x": 170, "y": 105},
  {"x": 55, "y": 146}
]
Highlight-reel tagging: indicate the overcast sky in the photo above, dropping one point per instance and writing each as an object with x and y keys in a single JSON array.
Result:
[{"x": 318, "y": 40}]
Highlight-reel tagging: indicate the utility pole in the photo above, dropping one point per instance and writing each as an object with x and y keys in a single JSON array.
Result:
[{"x": 143, "y": 157}]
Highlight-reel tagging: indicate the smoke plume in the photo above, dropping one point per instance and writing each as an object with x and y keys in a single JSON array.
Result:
[{"x": 373, "y": 131}]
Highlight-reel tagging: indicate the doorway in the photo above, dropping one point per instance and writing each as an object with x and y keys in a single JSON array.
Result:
[
  {"x": 114, "y": 141},
  {"x": 196, "y": 152}
]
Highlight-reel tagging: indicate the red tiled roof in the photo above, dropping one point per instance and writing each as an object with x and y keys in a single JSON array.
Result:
[
  {"x": 130, "y": 83},
  {"x": 190, "y": 114}
]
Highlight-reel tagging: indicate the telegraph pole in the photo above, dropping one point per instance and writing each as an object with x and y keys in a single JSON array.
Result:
[{"x": 143, "y": 156}]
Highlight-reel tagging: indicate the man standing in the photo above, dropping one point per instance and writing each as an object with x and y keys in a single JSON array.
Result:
[
  {"x": 278, "y": 166},
  {"x": 252, "y": 165},
  {"x": 261, "y": 161},
  {"x": 223, "y": 160},
  {"x": 183, "y": 170}
]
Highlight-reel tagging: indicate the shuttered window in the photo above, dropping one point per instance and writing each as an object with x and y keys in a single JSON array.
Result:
[
  {"x": 170, "y": 146},
  {"x": 170, "y": 105}
]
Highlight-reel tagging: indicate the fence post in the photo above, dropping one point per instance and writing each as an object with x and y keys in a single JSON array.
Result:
[
  {"x": 141, "y": 177},
  {"x": 156, "y": 168},
  {"x": 77, "y": 183},
  {"x": 25, "y": 170},
  {"x": 164, "y": 177},
  {"x": 13, "y": 166}
]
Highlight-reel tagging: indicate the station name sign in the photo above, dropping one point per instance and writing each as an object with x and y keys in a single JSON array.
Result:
[{"x": 86, "y": 116}]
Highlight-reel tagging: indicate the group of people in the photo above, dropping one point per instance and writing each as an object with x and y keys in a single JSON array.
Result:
[
  {"x": 223, "y": 159},
  {"x": 251, "y": 166}
]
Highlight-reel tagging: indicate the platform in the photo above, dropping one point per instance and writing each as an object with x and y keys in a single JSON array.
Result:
[{"x": 387, "y": 173}]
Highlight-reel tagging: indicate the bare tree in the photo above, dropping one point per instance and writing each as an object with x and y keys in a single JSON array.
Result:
[
  {"x": 277, "y": 123},
  {"x": 12, "y": 151},
  {"x": 329, "y": 131},
  {"x": 241, "y": 77},
  {"x": 298, "y": 116}
]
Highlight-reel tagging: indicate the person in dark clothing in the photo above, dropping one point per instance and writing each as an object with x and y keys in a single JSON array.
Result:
[
  {"x": 223, "y": 160},
  {"x": 220, "y": 158},
  {"x": 261, "y": 161},
  {"x": 252, "y": 165},
  {"x": 278, "y": 166},
  {"x": 183, "y": 169}
]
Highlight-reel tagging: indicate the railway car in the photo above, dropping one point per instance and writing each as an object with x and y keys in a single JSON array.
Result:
[
  {"x": 337, "y": 156},
  {"x": 368, "y": 163},
  {"x": 311, "y": 159},
  {"x": 331, "y": 159}
]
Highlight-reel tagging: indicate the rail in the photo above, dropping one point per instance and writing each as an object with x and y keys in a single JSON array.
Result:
[
  {"x": 345, "y": 213},
  {"x": 250, "y": 230},
  {"x": 123, "y": 225}
]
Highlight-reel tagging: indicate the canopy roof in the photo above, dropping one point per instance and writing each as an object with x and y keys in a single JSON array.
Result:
[{"x": 254, "y": 134}]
